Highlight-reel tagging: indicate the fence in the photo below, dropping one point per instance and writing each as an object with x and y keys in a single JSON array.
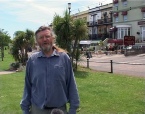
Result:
[
  {"x": 134, "y": 51},
  {"x": 129, "y": 68}
]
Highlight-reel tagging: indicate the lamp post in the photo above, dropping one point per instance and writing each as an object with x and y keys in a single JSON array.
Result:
[{"x": 69, "y": 7}]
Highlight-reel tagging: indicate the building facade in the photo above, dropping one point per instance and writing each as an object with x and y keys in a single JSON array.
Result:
[
  {"x": 99, "y": 22},
  {"x": 129, "y": 19}
]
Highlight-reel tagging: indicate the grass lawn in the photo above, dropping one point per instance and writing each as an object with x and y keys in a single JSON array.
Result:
[
  {"x": 7, "y": 60},
  {"x": 104, "y": 93},
  {"x": 100, "y": 92}
]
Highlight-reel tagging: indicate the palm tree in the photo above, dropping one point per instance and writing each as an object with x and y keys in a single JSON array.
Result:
[
  {"x": 68, "y": 30},
  {"x": 79, "y": 32},
  {"x": 62, "y": 28},
  {"x": 4, "y": 41},
  {"x": 21, "y": 43}
]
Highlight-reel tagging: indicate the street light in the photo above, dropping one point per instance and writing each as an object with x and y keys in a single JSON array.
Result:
[{"x": 69, "y": 7}]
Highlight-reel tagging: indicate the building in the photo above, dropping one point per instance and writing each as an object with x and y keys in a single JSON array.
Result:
[
  {"x": 81, "y": 15},
  {"x": 129, "y": 20},
  {"x": 99, "y": 22}
]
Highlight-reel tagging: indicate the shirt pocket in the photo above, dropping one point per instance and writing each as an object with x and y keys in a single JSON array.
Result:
[{"x": 59, "y": 73}]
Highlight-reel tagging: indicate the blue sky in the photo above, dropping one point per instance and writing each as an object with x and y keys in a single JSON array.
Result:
[{"x": 30, "y": 14}]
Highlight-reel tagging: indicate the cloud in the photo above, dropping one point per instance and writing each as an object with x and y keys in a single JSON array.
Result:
[{"x": 22, "y": 14}]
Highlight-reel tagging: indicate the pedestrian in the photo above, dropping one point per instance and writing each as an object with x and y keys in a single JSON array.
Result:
[{"x": 49, "y": 78}]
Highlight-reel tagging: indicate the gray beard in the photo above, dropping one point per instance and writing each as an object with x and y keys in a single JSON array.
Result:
[{"x": 48, "y": 49}]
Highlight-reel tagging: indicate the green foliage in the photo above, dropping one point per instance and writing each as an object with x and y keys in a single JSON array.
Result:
[
  {"x": 21, "y": 43},
  {"x": 15, "y": 66},
  {"x": 4, "y": 41},
  {"x": 68, "y": 30},
  {"x": 78, "y": 32},
  {"x": 62, "y": 28},
  {"x": 4, "y": 38}
]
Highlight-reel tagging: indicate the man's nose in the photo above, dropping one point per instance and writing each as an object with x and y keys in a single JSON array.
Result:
[{"x": 44, "y": 38}]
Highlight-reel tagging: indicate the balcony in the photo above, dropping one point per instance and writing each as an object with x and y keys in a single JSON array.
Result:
[
  {"x": 105, "y": 21},
  {"x": 92, "y": 36},
  {"x": 92, "y": 23},
  {"x": 100, "y": 21},
  {"x": 98, "y": 36}
]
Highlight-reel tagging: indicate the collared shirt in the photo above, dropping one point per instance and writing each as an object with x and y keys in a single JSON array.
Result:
[{"x": 50, "y": 82}]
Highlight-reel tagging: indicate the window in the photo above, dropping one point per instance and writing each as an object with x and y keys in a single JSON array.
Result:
[
  {"x": 124, "y": 31},
  {"x": 124, "y": 3},
  {"x": 124, "y": 17},
  {"x": 143, "y": 33},
  {"x": 116, "y": 19},
  {"x": 116, "y": 5},
  {"x": 143, "y": 14}
]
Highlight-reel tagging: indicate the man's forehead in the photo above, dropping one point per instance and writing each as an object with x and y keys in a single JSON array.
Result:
[{"x": 48, "y": 32}]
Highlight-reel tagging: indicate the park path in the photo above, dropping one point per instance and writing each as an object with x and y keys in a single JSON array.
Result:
[{"x": 6, "y": 72}]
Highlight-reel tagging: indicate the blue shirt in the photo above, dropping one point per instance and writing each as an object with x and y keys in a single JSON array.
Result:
[{"x": 49, "y": 81}]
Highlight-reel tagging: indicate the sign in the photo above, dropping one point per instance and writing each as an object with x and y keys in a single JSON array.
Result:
[
  {"x": 129, "y": 40},
  {"x": 141, "y": 22}
]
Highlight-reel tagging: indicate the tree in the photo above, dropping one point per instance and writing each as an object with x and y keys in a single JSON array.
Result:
[
  {"x": 21, "y": 43},
  {"x": 4, "y": 41},
  {"x": 79, "y": 32},
  {"x": 68, "y": 30},
  {"x": 62, "y": 28}
]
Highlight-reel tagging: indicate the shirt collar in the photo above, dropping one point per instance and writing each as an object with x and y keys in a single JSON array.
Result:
[{"x": 55, "y": 53}]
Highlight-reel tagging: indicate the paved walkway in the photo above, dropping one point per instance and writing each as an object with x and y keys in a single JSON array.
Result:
[
  {"x": 6, "y": 72},
  {"x": 130, "y": 65}
]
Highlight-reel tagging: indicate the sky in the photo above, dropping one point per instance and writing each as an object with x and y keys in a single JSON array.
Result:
[{"x": 19, "y": 15}]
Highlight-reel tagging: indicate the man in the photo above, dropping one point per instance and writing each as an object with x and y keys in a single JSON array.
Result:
[{"x": 49, "y": 80}]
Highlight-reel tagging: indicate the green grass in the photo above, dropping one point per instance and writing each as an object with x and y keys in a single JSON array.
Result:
[
  {"x": 100, "y": 92},
  {"x": 11, "y": 89},
  {"x": 104, "y": 93},
  {"x": 7, "y": 60}
]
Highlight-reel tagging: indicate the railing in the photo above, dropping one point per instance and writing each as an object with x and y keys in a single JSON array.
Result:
[
  {"x": 128, "y": 52},
  {"x": 92, "y": 23},
  {"x": 104, "y": 21}
]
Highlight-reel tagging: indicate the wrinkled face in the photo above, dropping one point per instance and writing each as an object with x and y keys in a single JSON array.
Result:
[{"x": 45, "y": 40}]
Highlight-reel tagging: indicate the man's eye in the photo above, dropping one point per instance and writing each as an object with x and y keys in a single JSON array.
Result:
[
  {"x": 44, "y": 37},
  {"x": 48, "y": 36},
  {"x": 40, "y": 37}
]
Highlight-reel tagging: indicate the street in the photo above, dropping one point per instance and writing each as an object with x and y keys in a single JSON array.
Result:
[{"x": 130, "y": 65}]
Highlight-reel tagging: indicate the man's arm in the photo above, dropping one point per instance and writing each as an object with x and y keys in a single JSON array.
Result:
[
  {"x": 26, "y": 100},
  {"x": 72, "y": 89}
]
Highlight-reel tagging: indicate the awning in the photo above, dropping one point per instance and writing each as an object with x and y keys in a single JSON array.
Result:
[
  {"x": 85, "y": 42},
  {"x": 115, "y": 1},
  {"x": 143, "y": 9},
  {"x": 117, "y": 41},
  {"x": 124, "y": 13},
  {"x": 113, "y": 29}
]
